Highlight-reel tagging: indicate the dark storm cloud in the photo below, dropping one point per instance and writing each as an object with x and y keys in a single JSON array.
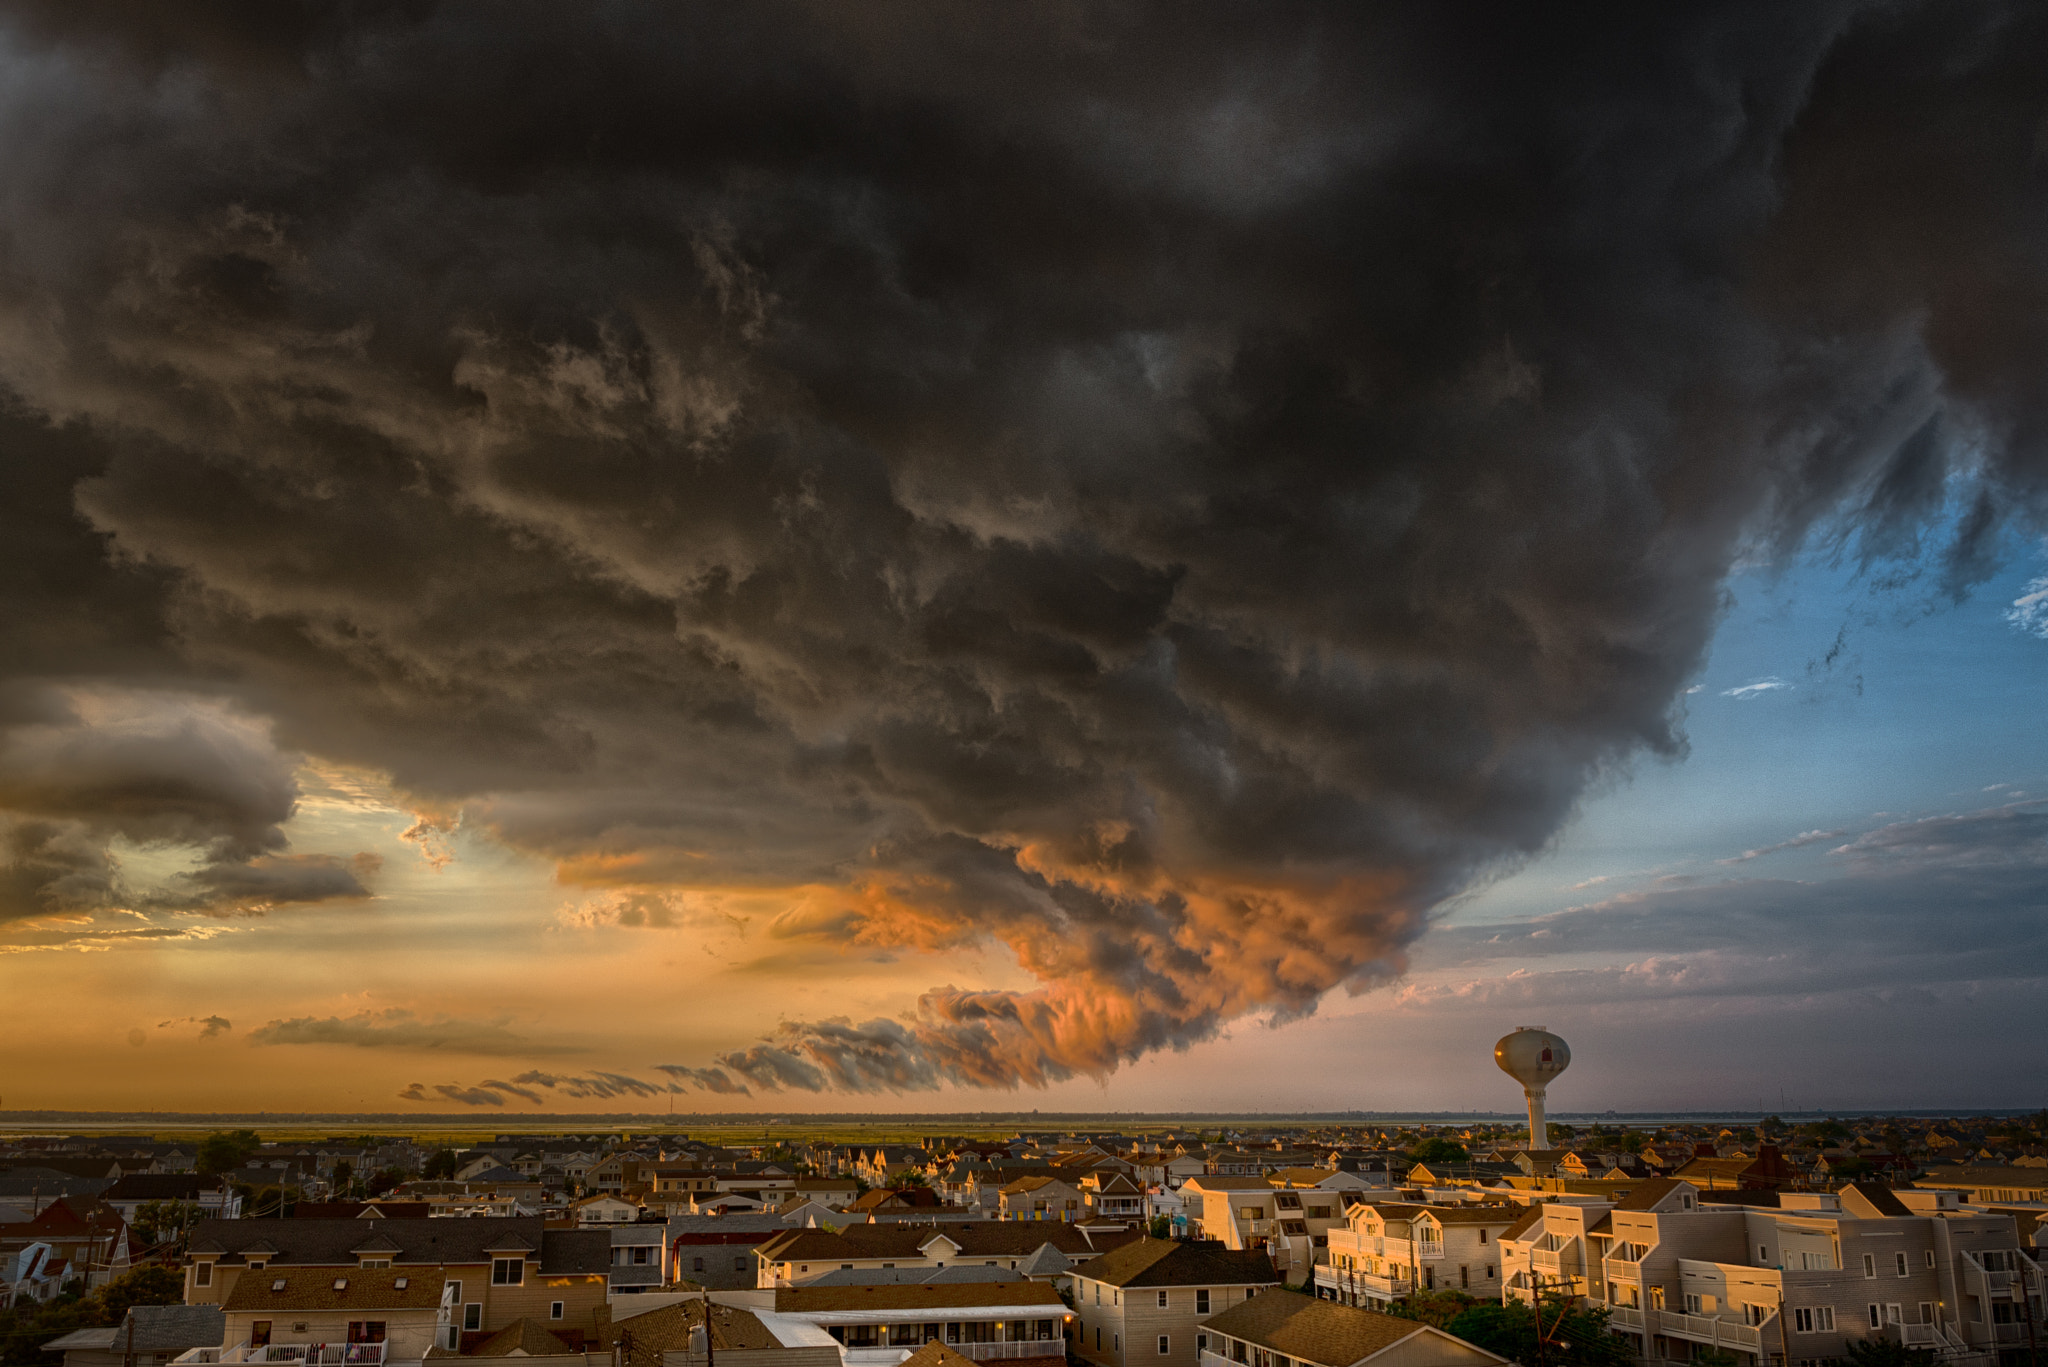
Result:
[
  {"x": 1176, "y": 490},
  {"x": 398, "y": 1028}
]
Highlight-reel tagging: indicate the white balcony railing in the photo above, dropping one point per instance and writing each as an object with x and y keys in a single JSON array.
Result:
[
  {"x": 1430, "y": 1250},
  {"x": 1546, "y": 1261},
  {"x": 1622, "y": 1317},
  {"x": 300, "y": 1354},
  {"x": 1016, "y": 1348},
  {"x": 1710, "y": 1329},
  {"x": 1622, "y": 1269}
]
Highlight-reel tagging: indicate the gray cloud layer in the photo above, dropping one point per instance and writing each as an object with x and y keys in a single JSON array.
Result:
[{"x": 1177, "y": 490}]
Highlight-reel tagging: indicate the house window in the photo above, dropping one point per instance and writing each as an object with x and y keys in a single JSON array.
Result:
[
  {"x": 1482, "y": 1236},
  {"x": 1870, "y": 1270},
  {"x": 640, "y": 1257},
  {"x": 1692, "y": 1303},
  {"x": 554, "y": 1310},
  {"x": 1162, "y": 1300},
  {"x": 1901, "y": 1260},
  {"x": 1930, "y": 1259},
  {"x": 1202, "y": 1301},
  {"x": 1165, "y": 1345},
  {"x": 1927, "y": 1312},
  {"x": 202, "y": 1274},
  {"x": 696, "y": 1264},
  {"x": 366, "y": 1331},
  {"x": 473, "y": 1316},
  {"x": 451, "y": 1291},
  {"x": 1201, "y": 1343},
  {"x": 1763, "y": 1253},
  {"x": 1876, "y": 1317},
  {"x": 508, "y": 1272},
  {"x": 256, "y": 1264},
  {"x": 1489, "y": 1272}
]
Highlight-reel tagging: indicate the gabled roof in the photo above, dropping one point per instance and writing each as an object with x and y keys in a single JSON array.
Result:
[
  {"x": 524, "y": 1337},
  {"x": 1651, "y": 1193},
  {"x": 1525, "y": 1222},
  {"x": 668, "y": 1329},
  {"x": 1046, "y": 1262},
  {"x": 173, "y": 1328},
  {"x": 330, "y": 1243},
  {"x": 1318, "y": 1332},
  {"x": 1169, "y": 1262}
]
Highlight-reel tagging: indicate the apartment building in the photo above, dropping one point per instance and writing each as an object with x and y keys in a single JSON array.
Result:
[
  {"x": 500, "y": 1270},
  {"x": 1144, "y": 1303},
  {"x": 1386, "y": 1252},
  {"x": 1787, "y": 1276},
  {"x": 380, "y": 1314},
  {"x": 1291, "y": 1225}
]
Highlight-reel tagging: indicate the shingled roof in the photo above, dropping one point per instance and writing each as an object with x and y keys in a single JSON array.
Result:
[
  {"x": 1317, "y": 1332},
  {"x": 822, "y": 1299},
  {"x": 668, "y": 1329},
  {"x": 1169, "y": 1262},
  {"x": 424, "y": 1242},
  {"x": 522, "y": 1336},
  {"x": 330, "y": 1288}
]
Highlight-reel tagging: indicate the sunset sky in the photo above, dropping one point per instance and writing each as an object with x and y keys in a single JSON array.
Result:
[{"x": 1136, "y": 557}]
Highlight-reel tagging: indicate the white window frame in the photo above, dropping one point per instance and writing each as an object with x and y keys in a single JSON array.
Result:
[
  {"x": 1162, "y": 1300},
  {"x": 1870, "y": 1269},
  {"x": 1165, "y": 1345},
  {"x": 1202, "y": 1300},
  {"x": 554, "y": 1310},
  {"x": 1899, "y": 1261}
]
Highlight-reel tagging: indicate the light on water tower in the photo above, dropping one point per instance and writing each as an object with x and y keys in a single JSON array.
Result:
[{"x": 1533, "y": 1056}]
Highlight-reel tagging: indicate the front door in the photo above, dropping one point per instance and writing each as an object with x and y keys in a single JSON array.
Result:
[{"x": 259, "y": 1334}]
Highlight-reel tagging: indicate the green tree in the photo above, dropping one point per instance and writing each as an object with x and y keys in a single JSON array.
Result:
[
  {"x": 1436, "y": 1308},
  {"x": 159, "y": 1222},
  {"x": 1161, "y": 1227},
  {"x": 344, "y": 1173},
  {"x": 226, "y": 1150},
  {"x": 154, "y": 1284},
  {"x": 1439, "y": 1150},
  {"x": 1571, "y": 1335},
  {"x": 1885, "y": 1353},
  {"x": 441, "y": 1165}
]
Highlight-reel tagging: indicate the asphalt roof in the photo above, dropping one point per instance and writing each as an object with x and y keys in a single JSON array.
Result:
[
  {"x": 522, "y": 1335},
  {"x": 818, "y": 1299},
  {"x": 1171, "y": 1262},
  {"x": 414, "y": 1242},
  {"x": 1321, "y": 1332},
  {"x": 668, "y": 1329},
  {"x": 335, "y": 1288}
]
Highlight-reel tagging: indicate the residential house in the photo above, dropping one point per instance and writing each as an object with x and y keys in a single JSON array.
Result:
[
  {"x": 1144, "y": 1302},
  {"x": 1113, "y": 1196},
  {"x": 212, "y": 1195},
  {"x": 1040, "y": 1198},
  {"x": 696, "y": 1333},
  {"x": 71, "y": 1240},
  {"x": 1286, "y": 1330},
  {"x": 1989, "y": 1185},
  {"x": 604, "y": 1210},
  {"x": 147, "y": 1336},
  {"x": 639, "y": 1259},
  {"x": 500, "y": 1269},
  {"x": 800, "y": 1256},
  {"x": 874, "y": 1325},
  {"x": 380, "y": 1314},
  {"x": 1292, "y": 1225},
  {"x": 1387, "y": 1252}
]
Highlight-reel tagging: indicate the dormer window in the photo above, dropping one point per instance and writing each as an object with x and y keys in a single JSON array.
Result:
[
  {"x": 202, "y": 1274},
  {"x": 256, "y": 1264}
]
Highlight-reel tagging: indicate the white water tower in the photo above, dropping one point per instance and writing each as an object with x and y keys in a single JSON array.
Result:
[{"x": 1533, "y": 1056}]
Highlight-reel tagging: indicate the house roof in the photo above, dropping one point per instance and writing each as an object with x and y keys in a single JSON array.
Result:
[
  {"x": 819, "y": 1299},
  {"x": 1881, "y": 1198},
  {"x": 1524, "y": 1222},
  {"x": 1650, "y": 1193},
  {"x": 1235, "y": 1182},
  {"x": 668, "y": 1329},
  {"x": 974, "y": 1238},
  {"x": 1315, "y": 1331},
  {"x": 158, "y": 1329},
  {"x": 1170, "y": 1262},
  {"x": 415, "y": 1242},
  {"x": 936, "y": 1354},
  {"x": 1047, "y": 1261},
  {"x": 523, "y": 1336},
  {"x": 335, "y": 1288}
]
